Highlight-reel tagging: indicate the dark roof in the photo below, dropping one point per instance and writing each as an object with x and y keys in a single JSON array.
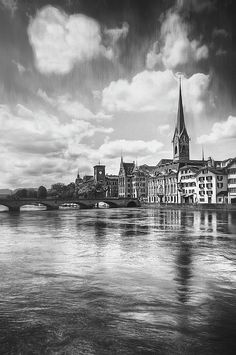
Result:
[
  {"x": 164, "y": 162},
  {"x": 191, "y": 167},
  {"x": 128, "y": 168},
  {"x": 110, "y": 176},
  {"x": 231, "y": 162},
  {"x": 212, "y": 170}
]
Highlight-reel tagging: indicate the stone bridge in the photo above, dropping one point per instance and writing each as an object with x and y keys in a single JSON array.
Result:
[{"x": 14, "y": 205}]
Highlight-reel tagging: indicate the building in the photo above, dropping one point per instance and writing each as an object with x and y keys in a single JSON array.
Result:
[
  {"x": 125, "y": 179},
  {"x": 180, "y": 139},
  {"x": 172, "y": 180},
  {"x": 211, "y": 185},
  {"x": 99, "y": 174},
  {"x": 187, "y": 185},
  {"x": 231, "y": 171},
  {"x": 111, "y": 185}
]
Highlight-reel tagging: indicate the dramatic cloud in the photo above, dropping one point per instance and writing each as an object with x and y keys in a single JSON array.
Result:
[
  {"x": 219, "y": 131},
  {"x": 175, "y": 48},
  {"x": 60, "y": 40},
  {"x": 43, "y": 138},
  {"x": 156, "y": 91},
  {"x": 72, "y": 108}
]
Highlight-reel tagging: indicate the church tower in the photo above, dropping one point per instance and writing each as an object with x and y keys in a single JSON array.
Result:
[
  {"x": 99, "y": 173},
  {"x": 181, "y": 139}
]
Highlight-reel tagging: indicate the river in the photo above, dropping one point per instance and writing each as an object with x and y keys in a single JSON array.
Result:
[{"x": 118, "y": 281}]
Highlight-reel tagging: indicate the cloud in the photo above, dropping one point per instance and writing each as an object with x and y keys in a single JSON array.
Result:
[
  {"x": 131, "y": 148},
  {"x": 154, "y": 57},
  {"x": 220, "y": 131},
  {"x": 60, "y": 40},
  {"x": 197, "y": 6},
  {"x": 21, "y": 69},
  {"x": 36, "y": 141},
  {"x": 177, "y": 49},
  {"x": 163, "y": 128},
  {"x": 10, "y": 5},
  {"x": 220, "y": 32},
  {"x": 72, "y": 108},
  {"x": 156, "y": 91},
  {"x": 115, "y": 34}
]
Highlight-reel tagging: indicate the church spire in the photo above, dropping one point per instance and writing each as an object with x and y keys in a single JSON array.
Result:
[
  {"x": 203, "y": 158},
  {"x": 180, "y": 116},
  {"x": 181, "y": 139}
]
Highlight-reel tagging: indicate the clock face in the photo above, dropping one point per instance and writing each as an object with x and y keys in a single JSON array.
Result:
[{"x": 100, "y": 172}]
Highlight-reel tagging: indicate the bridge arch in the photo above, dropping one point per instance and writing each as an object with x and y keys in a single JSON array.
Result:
[
  {"x": 3, "y": 207},
  {"x": 132, "y": 204}
]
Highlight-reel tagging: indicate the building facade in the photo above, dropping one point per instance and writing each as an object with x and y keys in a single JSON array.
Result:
[
  {"x": 112, "y": 185},
  {"x": 231, "y": 171}
]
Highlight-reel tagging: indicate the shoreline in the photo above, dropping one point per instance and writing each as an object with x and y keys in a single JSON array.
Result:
[{"x": 194, "y": 207}]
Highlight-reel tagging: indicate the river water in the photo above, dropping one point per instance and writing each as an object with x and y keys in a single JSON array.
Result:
[{"x": 118, "y": 281}]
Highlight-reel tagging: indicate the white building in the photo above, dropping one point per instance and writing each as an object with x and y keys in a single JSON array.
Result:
[
  {"x": 211, "y": 185},
  {"x": 231, "y": 169},
  {"x": 187, "y": 186}
]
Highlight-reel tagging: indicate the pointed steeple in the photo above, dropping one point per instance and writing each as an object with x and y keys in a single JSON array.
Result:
[
  {"x": 181, "y": 139},
  {"x": 203, "y": 158},
  {"x": 121, "y": 157},
  {"x": 180, "y": 116}
]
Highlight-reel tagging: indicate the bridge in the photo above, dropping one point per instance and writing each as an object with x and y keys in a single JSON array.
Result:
[{"x": 14, "y": 204}]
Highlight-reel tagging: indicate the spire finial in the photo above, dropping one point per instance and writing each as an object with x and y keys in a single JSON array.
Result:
[
  {"x": 121, "y": 156},
  {"x": 203, "y": 158}
]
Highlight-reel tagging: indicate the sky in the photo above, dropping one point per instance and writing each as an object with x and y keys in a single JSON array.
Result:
[{"x": 82, "y": 81}]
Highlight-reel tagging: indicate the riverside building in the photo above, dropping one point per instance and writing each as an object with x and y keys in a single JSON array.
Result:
[{"x": 183, "y": 180}]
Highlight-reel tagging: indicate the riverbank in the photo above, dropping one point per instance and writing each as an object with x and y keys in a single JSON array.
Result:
[{"x": 196, "y": 207}]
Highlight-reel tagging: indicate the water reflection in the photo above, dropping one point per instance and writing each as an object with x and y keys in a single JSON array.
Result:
[{"x": 118, "y": 281}]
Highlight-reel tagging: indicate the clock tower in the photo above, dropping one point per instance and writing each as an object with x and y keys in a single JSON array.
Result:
[
  {"x": 181, "y": 139},
  {"x": 99, "y": 173}
]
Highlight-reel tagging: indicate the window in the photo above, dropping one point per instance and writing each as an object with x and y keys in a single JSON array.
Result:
[
  {"x": 201, "y": 193},
  {"x": 232, "y": 189},
  {"x": 220, "y": 178},
  {"x": 209, "y": 178},
  {"x": 232, "y": 181},
  {"x": 209, "y": 186},
  {"x": 201, "y": 179},
  {"x": 209, "y": 193},
  {"x": 220, "y": 185},
  {"x": 232, "y": 171},
  {"x": 202, "y": 199}
]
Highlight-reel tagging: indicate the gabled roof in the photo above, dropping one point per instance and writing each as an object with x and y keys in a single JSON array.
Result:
[
  {"x": 164, "y": 162},
  {"x": 231, "y": 162},
  {"x": 190, "y": 167},
  {"x": 212, "y": 170},
  {"x": 128, "y": 167}
]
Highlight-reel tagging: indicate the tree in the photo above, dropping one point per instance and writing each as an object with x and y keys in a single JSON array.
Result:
[
  {"x": 20, "y": 193},
  {"x": 42, "y": 192}
]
